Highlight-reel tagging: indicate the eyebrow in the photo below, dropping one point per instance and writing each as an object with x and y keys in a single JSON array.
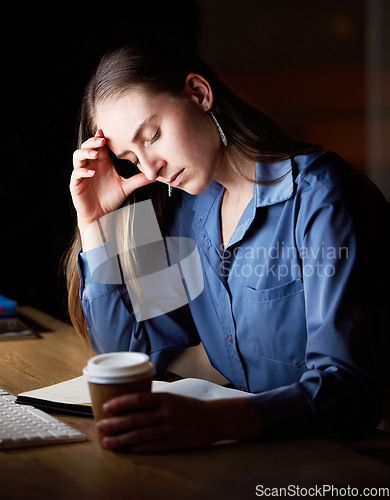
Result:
[{"x": 136, "y": 133}]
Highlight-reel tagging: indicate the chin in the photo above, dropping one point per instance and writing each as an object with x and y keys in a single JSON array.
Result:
[{"x": 196, "y": 188}]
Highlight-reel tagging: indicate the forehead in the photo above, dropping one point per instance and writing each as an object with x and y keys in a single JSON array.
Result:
[{"x": 119, "y": 118}]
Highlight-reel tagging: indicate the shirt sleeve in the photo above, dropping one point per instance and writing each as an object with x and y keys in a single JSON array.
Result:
[
  {"x": 111, "y": 322},
  {"x": 342, "y": 236}
]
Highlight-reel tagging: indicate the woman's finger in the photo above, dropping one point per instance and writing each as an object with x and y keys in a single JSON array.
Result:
[
  {"x": 93, "y": 142},
  {"x": 136, "y": 437},
  {"x": 132, "y": 402},
  {"x": 136, "y": 420},
  {"x": 81, "y": 156},
  {"x": 79, "y": 174},
  {"x": 135, "y": 182}
]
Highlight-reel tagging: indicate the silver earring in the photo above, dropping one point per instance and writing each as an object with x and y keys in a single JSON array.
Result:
[
  {"x": 169, "y": 190},
  {"x": 220, "y": 131}
]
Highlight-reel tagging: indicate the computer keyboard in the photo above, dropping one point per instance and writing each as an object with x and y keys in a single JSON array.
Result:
[{"x": 22, "y": 426}]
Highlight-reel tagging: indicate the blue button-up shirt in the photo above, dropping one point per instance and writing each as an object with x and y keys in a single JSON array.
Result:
[{"x": 293, "y": 309}]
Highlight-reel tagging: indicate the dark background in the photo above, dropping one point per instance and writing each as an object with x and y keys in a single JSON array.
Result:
[
  {"x": 301, "y": 61},
  {"x": 47, "y": 63}
]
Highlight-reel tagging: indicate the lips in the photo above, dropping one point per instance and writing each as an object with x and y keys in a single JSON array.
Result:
[{"x": 176, "y": 179}]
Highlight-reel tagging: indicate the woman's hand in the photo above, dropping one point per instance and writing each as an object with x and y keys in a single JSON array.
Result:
[
  {"x": 96, "y": 187},
  {"x": 161, "y": 422}
]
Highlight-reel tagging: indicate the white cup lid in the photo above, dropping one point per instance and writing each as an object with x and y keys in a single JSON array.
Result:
[{"x": 118, "y": 367}]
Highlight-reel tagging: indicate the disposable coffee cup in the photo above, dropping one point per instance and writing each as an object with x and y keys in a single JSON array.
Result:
[{"x": 114, "y": 374}]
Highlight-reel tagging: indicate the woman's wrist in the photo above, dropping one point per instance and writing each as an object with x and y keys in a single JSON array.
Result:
[
  {"x": 234, "y": 419},
  {"x": 90, "y": 234}
]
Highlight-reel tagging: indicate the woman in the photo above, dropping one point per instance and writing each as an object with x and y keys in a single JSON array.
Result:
[{"x": 291, "y": 243}]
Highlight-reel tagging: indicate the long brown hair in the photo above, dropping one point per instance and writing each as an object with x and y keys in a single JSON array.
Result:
[{"x": 162, "y": 67}]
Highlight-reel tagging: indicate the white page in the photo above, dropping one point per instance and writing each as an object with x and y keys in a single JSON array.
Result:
[
  {"x": 75, "y": 391},
  {"x": 198, "y": 388}
]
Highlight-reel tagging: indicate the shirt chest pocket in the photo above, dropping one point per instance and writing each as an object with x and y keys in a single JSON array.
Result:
[{"x": 276, "y": 322}]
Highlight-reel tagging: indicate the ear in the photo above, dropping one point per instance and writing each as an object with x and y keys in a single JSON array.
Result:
[{"x": 199, "y": 89}]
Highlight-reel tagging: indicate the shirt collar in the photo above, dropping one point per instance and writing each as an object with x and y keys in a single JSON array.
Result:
[
  {"x": 264, "y": 194},
  {"x": 273, "y": 192}
]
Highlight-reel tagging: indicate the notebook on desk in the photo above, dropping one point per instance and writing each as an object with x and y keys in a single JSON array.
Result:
[{"x": 72, "y": 396}]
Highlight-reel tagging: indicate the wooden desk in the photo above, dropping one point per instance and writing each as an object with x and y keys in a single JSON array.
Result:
[{"x": 84, "y": 470}]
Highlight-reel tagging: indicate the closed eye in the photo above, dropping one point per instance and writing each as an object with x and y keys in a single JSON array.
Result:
[{"x": 155, "y": 137}]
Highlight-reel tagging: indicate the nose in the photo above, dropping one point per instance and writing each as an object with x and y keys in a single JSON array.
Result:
[{"x": 151, "y": 167}]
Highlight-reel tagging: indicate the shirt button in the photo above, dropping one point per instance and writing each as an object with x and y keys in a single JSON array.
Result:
[{"x": 230, "y": 338}]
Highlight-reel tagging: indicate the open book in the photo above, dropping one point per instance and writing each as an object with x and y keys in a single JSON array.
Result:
[{"x": 72, "y": 397}]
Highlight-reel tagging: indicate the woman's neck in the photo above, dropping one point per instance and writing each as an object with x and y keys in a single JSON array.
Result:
[{"x": 237, "y": 187}]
